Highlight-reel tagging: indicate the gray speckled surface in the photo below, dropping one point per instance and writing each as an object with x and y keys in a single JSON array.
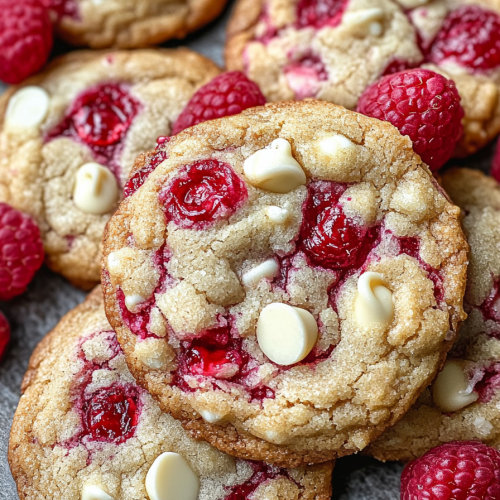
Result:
[{"x": 49, "y": 297}]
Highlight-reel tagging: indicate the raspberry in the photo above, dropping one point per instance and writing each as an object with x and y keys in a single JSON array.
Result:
[
  {"x": 464, "y": 470},
  {"x": 4, "y": 333},
  {"x": 424, "y": 106},
  {"x": 226, "y": 95},
  {"x": 329, "y": 238},
  {"x": 320, "y": 13},
  {"x": 304, "y": 75},
  {"x": 21, "y": 251},
  {"x": 495, "y": 166},
  {"x": 470, "y": 36},
  {"x": 262, "y": 472},
  {"x": 204, "y": 192},
  {"x": 111, "y": 414},
  {"x": 25, "y": 39}
]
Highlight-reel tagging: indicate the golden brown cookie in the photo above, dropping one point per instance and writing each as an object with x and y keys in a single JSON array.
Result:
[
  {"x": 130, "y": 24},
  {"x": 287, "y": 281},
  {"x": 464, "y": 401},
  {"x": 334, "y": 49},
  {"x": 83, "y": 429},
  {"x": 69, "y": 138}
]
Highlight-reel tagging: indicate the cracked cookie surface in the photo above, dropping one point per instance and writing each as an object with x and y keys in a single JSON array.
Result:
[
  {"x": 334, "y": 49},
  {"x": 88, "y": 108},
  {"x": 130, "y": 24},
  {"x": 83, "y": 422},
  {"x": 473, "y": 379},
  {"x": 303, "y": 213}
]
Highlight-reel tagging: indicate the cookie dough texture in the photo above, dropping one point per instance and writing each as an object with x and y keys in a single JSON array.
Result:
[
  {"x": 47, "y": 462},
  {"x": 372, "y": 376},
  {"x": 130, "y": 24},
  {"x": 478, "y": 345},
  {"x": 265, "y": 42},
  {"x": 38, "y": 177}
]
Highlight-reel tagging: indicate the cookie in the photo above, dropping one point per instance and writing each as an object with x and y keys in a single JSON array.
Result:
[
  {"x": 334, "y": 49},
  {"x": 69, "y": 138},
  {"x": 84, "y": 427},
  {"x": 232, "y": 276},
  {"x": 130, "y": 24},
  {"x": 464, "y": 401}
]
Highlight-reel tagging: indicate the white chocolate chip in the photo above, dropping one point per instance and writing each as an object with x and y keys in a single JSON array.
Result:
[
  {"x": 268, "y": 269},
  {"x": 364, "y": 21},
  {"x": 96, "y": 189},
  {"x": 154, "y": 353},
  {"x": 211, "y": 417},
  {"x": 92, "y": 492},
  {"x": 277, "y": 215},
  {"x": 412, "y": 4},
  {"x": 133, "y": 301},
  {"x": 286, "y": 334},
  {"x": 274, "y": 168},
  {"x": 374, "y": 303},
  {"x": 330, "y": 145},
  {"x": 114, "y": 262},
  {"x": 450, "y": 390},
  {"x": 27, "y": 108},
  {"x": 171, "y": 478}
]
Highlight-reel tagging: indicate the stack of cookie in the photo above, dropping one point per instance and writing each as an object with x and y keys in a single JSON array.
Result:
[{"x": 282, "y": 286}]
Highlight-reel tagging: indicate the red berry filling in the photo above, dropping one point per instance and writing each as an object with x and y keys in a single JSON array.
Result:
[
  {"x": 203, "y": 193},
  {"x": 397, "y": 65},
  {"x": 4, "y": 333},
  {"x": 99, "y": 118},
  {"x": 320, "y": 13},
  {"x": 219, "y": 355},
  {"x": 489, "y": 385},
  {"x": 470, "y": 36},
  {"x": 139, "y": 178},
  {"x": 216, "y": 355},
  {"x": 111, "y": 414},
  {"x": 329, "y": 238},
  {"x": 495, "y": 166},
  {"x": 261, "y": 473},
  {"x": 304, "y": 76}
]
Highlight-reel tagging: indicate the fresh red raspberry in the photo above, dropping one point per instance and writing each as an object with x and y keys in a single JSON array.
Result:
[
  {"x": 422, "y": 105},
  {"x": 320, "y": 13},
  {"x": 495, "y": 166},
  {"x": 4, "y": 333},
  {"x": 464, "y": 470},
  {"x": 25, "y": 39},
  {"x": 21, "y": 251},
  {"x": 226, "y": 95},
  {"x": 470, "y": 36}
]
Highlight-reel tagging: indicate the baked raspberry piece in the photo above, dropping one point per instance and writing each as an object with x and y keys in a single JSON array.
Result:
[
  {"x": 495, "y": 166},
  {"x": 21, "y": 251},
  {"x": 227, "y": 94},
  {"x": 453, "y": 471},
  {"x": 304, "y": 75},
  {"x": 111, "y": 414},
  {"x": 470, "y": 36},
  {"x": 329, "y": 238},
  {"x": 320, "y": 13},
  {"x": 422, "y": 105},
  {"x": 25, "y": 39},
  {"x": 4, "y": 333},
  {"x": 99, "y": 117},
  {"x": 206, "y": 191}
]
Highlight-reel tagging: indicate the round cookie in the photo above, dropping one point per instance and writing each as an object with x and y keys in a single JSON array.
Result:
[
  {"x": 82, "y": 423},
  {"x": 232, "y": 275},
  {"x": 130, "y": 24},
  {"x": 69, "y": 138},
  {"x": 464, "y": 401},
  {"x": 334, "y": 49}
]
